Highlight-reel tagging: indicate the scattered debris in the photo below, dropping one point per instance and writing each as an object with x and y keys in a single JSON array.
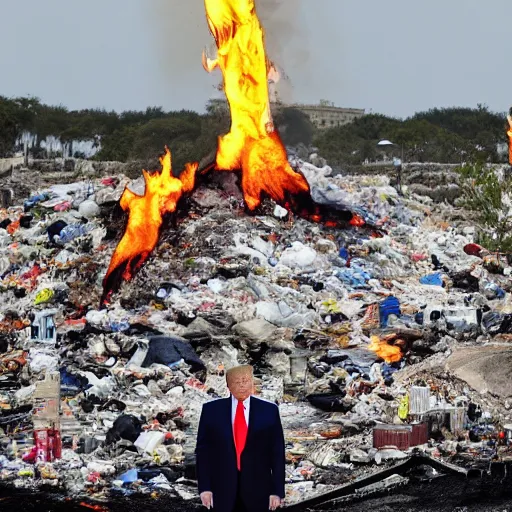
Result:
[{"x": 375, "y": 347}]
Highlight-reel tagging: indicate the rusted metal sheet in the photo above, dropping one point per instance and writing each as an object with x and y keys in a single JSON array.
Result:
[
  {"x": 401, "y": 436},
  {"x": 419, "y": 434},
  {"x": 392, "y": 435}
]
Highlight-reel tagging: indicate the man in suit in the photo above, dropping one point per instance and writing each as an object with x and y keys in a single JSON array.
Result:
[{"x": 240, "y": 449}]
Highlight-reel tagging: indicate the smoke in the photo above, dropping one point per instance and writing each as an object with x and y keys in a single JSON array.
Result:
[
  {"x": 180, "y": 34},
  {"x": 285, "y": 38}
]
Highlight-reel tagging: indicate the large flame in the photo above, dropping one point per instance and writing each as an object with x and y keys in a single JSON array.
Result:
[
  {"x": 509, "y": 133},
  {"x": 252, "y": 145},
  {"x": 161, "y": 196},
  {"x": 390, "y": 353}
]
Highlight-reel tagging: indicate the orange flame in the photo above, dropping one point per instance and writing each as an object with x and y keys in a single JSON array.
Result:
[
  {"x": 252, "y": 145},
  {"x": 161, "y": 196},
  {"x": 509, "y": 133},
  {"x": 390, "y": 353},
  {"x": 357, "y": 221},
  {"x": 96, "y": 508}
]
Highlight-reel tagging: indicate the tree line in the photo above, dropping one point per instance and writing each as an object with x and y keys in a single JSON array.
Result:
[
  {"x": 447, "y": 135},
  {"x": 451, "y": 135}
]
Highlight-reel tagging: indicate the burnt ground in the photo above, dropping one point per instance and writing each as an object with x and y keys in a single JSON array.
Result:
[{"x": 455, "y": 494}]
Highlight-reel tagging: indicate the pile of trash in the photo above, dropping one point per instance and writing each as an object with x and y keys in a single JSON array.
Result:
[{"x": 374, "y": 341}]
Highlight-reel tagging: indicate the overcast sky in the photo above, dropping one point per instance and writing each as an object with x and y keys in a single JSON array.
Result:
[{"x": 395, "y": 57}]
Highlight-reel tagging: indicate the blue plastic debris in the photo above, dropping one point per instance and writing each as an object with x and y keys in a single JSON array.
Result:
[
  {"x": 432, "y": 279},
  {"x": 390, "y": 306},
  {"x": 493, "y": 291},
  {"x": 120, "y": 326},
  {"x": 419, "y": 318},
  {"x": 355, "y": 276},
  {"x": 72, "y": 231},
  {"x": 129, "y": 477},
  {"x": 344, "y": 253},
  {"x": 32, "y": 201}
]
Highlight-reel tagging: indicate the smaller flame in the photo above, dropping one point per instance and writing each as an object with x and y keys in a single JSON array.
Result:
[
  {"x": 161, "y": 196},
  {"x": 509, "y": 133},
  {"x": 390, "y": 353}
]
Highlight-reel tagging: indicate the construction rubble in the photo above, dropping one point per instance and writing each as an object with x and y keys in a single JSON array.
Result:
[{"x": 377, "y": 342}]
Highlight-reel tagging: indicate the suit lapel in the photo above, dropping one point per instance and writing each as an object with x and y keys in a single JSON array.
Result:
[
  {"x": 228, "y": 425},
  {"x": 252, "y": 419}
]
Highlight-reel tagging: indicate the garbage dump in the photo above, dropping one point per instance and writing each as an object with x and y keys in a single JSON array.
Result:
[{"x": 376, "y": 342}]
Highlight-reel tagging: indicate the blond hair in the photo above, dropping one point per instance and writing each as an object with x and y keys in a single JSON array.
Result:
[{"x": 243, "y": 369}]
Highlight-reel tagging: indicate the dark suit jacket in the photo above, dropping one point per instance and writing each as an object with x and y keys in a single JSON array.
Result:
[{"x": 262, "y": 461}]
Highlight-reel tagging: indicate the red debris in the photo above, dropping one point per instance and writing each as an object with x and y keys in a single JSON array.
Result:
[
  {"x": 98, "y": 508},
  {"x": 473, "y": 249}
]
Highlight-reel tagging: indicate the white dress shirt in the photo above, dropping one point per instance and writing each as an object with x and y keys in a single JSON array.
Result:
[{"x": 234, "y": 403}]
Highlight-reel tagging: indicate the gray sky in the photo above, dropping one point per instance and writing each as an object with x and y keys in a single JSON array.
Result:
[{"x": 395, "y": 57}]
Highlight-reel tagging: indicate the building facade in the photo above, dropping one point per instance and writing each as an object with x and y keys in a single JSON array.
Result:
[{"x": 323, "y": 116}]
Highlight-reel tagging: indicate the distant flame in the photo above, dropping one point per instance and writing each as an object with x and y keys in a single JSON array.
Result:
[
  {"x": 389, "y": 353},
  {"x": 161, "y": 196},
  {"x": 252, "y": 145},
  {"x": 509, "y": 133}
]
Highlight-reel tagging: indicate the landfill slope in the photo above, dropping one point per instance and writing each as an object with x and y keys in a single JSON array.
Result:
[
  {"x": 375, "y": 341},
  {"x": 484, "y": 369}
]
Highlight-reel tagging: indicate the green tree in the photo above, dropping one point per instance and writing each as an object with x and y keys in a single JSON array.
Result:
[
  {"x": 118, "y": 145},
  {"x": 178, "y": 132},
  {"x": 489, "y": 195},
  {"x": 480, "y": 127},
  {"x": 10, "y": 128},
  {"x": 294, "y": 126},
  {"x": 182, "y": 132},
  {"x": 357, "y": 141}
]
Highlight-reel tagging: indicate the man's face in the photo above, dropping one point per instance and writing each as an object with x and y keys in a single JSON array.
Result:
[{"x": 241, "y": 386}]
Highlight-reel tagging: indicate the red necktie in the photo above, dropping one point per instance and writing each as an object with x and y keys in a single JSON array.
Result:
[{"x": 239, "y": 431}]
